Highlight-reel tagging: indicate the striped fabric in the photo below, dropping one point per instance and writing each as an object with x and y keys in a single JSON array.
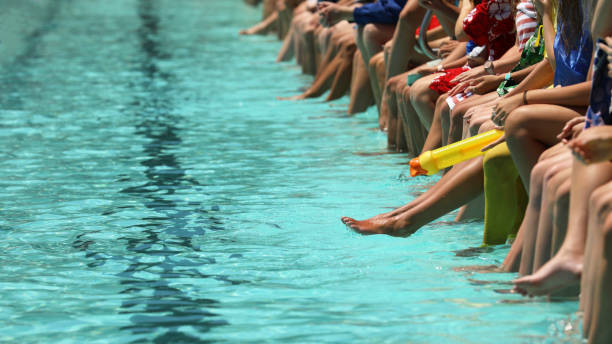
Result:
[{"x": 526, "y": 22}]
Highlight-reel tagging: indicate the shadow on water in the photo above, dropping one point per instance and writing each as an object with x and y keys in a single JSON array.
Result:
[
  {"x": 158, "y": 304},
  {"x": 168, "y": 307}
]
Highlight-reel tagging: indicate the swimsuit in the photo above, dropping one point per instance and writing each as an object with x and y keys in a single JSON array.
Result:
[{"x": 599, "y": 108}]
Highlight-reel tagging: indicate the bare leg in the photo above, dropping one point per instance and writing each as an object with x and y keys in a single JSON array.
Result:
[
  {"x": 455, "y": 130},
  {"x": 529, "y": 226},
  {"x": 423, "y": 100},
  {"x": 434, "y": 137},
  {"x": 342, "y": 78},
  {"x": 389, "y": 107},
  {"x": 418, "y": 131},
  {"x": 361, "y": 92},
  {"x": 596, "y": 299},
  {"x": 565, "y": 268},
  {"x": 460, "y": 185},
  {"x": 530, "y": 130},
  {"x": 374, "y": 75},
  {"x": 402, "y": 50},
  {"x": 374, "y": 37},
  {"x": 286, "y": 52},
  {"x": 263, "y": 27},
  {"x": 553, "y": 181}
]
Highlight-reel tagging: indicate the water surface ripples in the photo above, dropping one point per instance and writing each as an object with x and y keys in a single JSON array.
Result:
[{"x": 155, "y": 190}]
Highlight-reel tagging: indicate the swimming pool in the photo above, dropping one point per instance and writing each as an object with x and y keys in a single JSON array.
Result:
[{"x": 155, "y": 190}]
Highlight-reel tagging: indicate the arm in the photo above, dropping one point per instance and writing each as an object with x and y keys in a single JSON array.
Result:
[
  {"x": 593, "y": 145},
  {"x": 541, "y": 76},
  {"x": 574, "y": 95},
  {"x": 489, "y": 83},
  {"x": 602, "y": 25},
  {"x": 466, "y": 7},
  {"x": 446, "y": 12},
  {"x": 545, "y": 9}
]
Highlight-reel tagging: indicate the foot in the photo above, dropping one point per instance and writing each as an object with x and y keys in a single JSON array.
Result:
[
  {"x": 563, "y": 270},
  {"x": 246, "y": 32},
  {"x": 298, "y": 97},
  {"x": 377, "y": 225}
]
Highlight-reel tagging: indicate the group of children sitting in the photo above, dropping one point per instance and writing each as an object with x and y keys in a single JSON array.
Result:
[{"x": 540, "y": 70}]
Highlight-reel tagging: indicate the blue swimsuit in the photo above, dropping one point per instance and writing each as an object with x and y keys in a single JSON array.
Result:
[
  {"x": 571, "y": 67},
  {"x": 380, "y": 12}
]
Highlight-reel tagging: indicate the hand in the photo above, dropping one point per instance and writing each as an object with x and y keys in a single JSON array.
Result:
[
  {"x": 446, "y": 48},
  {"x": 478, "y": 111},
  {"x": 607, "y": 48},
  {"x": 426, "y": 70},
  {"x": 502, "y": 139},
  {"x": 333, "y": 14},
  {"x": 460, "y": 87},
  {"x": 571, "y": 129},
  {"x": 504, "y": 107},
  {"x": 470, "y": 74},
  {"x": 485, "y": 84},
  {"x": 593, "y": 145}
]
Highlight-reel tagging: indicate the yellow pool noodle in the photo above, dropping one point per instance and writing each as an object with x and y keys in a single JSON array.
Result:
[{"x": 431, "y": 162}]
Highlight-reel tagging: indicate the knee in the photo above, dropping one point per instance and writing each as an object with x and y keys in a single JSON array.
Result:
[
  {"x": 370, "y": 31},
  {"x": 551, "y": 172},
  {"x": 516, "y": 122},
  {"x": 481, "y": 125},
  {"x": 347, "y": 46},
  {"x": 562, "y": 195},
  {"x": 387, "y": 47},
  {"x": 419, "y": 90},
  {"x": 406, "y": 94},
  {"x": 537, "y": 175},
  {"x": 441, "y": 102},
  {"x": 409, "y": 13}
]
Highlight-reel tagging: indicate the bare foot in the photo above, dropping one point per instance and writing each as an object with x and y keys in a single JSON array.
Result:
[
  {"x": 563, "y": 270},
  {"x": 479, "y": 268},
  {"x": 298, "y": 97},
  {"x": 246, "y": 32},
  {"x": 377, "y": 225}
]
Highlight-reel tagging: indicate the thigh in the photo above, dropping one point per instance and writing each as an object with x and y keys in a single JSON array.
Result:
[{"x": 542, "y": 122}]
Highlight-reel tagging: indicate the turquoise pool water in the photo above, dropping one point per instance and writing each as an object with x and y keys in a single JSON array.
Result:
[{"x": 155, "y": 191}]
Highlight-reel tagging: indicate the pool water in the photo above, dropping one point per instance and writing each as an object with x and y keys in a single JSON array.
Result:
[{"x": 154, "y": 190}]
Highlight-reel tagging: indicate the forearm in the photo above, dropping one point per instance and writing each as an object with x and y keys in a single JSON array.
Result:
[
  {"x": 602, "y": 25},
  {"x": 435, "y": 33},
  {"x": 447, "y": 11},
  {"x": 520, "y": 75},
  {"x": 541, "y": 76},
  {"x": 453, "y": 63},
  {"x": 549, "y": 36},
  {"x": 507, "y": 61},
  {"x": 466, "y": 7},
  {"x": 574, "y": 95}
]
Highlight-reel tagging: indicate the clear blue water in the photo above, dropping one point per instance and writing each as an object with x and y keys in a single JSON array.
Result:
[{"x": 155, "y": 191}]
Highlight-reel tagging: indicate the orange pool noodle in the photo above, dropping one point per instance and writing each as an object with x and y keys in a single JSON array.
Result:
[{"x": 431, "y": 162}]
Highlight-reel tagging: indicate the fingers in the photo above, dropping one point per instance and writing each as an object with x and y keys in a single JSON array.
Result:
[
  {"x": 494, "y": 143},
  {"x": 499, "y": 116},
  {"x": 606, "y": 48},
  {"x": 567, "y": 129}
]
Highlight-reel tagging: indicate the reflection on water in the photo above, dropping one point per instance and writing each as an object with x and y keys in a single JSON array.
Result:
[{"x": 157, "y": 303}]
